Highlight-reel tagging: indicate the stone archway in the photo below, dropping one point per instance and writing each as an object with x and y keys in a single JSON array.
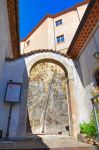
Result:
[
  {"x": 47, "y": 103},
  {"x": 68, "y": 66}
]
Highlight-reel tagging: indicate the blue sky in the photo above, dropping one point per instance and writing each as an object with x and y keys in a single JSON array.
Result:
[{"x": 32, "y": 11}]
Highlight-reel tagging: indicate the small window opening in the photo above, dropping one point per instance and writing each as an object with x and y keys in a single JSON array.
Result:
[
  {"x": 59, "y": 22},
  {"x": 60, "y": 39},
  {"x": 28, "y": 42}
]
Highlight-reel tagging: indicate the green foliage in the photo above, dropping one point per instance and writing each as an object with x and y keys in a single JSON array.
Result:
[{"x": 90, "y": 127}]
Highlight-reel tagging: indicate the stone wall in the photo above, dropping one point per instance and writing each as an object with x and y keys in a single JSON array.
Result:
[{"x": 47, "y": 99}]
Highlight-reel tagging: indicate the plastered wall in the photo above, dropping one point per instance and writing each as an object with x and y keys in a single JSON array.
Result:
[
  {"x": 44, "y": 37},
  {"x": 19, "y": 72},
  {"x": 88, "y": 64},
  {"x": 5, "y": 40}
]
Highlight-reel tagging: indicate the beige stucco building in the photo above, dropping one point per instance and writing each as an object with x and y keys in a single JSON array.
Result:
[
  {"x": 80, "y": 64},
  {"x": 55, "y": 31},
  {"x": 9, "y": 47}
]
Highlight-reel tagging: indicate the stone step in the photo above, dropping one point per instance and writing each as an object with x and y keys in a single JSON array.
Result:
[{"x": 46, "y": 144}]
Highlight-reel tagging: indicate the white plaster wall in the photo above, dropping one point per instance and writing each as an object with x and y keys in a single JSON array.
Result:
[
  {"x": 5, "y": 51},
  {"x": 16, "y": 74},
  {"x": 88, "y": 65},
  {"x": 5, "y": 40},
  {"x": 82, "y": 103},
  {"x": 96, "y": 36}
]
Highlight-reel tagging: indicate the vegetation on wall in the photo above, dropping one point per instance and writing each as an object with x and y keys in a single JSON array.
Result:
[{"x": 90, "y": 127}]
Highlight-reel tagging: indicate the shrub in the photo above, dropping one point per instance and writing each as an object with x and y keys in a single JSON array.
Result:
[{"x": 90, "y": 127}]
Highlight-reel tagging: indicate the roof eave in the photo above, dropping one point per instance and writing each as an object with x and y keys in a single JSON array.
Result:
[
  {"x": 14, "y": 26},
  {"x": 71, "y": 52}
]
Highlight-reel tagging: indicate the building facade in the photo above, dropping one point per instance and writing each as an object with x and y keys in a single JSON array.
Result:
[
  {"x": 84, "y": 51},
  {"x": 80, "y": 69},
  {"x": 9, "y": 46},
  {"x": 55, "y": 31}
]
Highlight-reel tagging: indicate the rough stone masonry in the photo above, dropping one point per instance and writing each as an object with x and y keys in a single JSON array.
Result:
[{"x": 47, "y": 102}]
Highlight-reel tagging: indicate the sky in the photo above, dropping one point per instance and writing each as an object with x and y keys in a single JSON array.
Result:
[{"x": 32, "y": 11}]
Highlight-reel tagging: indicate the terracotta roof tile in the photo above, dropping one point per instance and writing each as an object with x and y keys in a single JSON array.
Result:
[
  {"x": 35, "y": 52},
  {"x": 12, "y": 6},
  {"x": 88, "y": 22}
]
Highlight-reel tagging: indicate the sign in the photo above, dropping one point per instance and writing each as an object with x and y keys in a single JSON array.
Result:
[{"x": 13, "y": 92}]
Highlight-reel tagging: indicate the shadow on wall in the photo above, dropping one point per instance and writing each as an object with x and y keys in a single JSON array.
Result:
[
  {"x": 87, "y": 77},
  {"x": 28, "y": 127},
  {"x": 38, "y": 143},
  {"x": 24, "y": 126},
  {"x": 78, "y": 69},
  {"x": 17, "y": 126}
]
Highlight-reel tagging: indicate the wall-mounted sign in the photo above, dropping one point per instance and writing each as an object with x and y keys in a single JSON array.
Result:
[{"x": 13, "y": 92}]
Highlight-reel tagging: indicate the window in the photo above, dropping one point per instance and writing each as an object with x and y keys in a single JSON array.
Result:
[
  {"x": 59, "y": 22},
  {"x": 60, "y": 39},
  {"x": 28, "y": 42},
  {"x": 97, "y": 77}
]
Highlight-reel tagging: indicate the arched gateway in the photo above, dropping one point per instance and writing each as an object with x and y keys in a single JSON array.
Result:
[{"x": 24, "y": 66}]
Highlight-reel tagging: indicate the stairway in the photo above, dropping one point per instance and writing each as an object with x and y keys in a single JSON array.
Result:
[{"x": 46, "y": 142}]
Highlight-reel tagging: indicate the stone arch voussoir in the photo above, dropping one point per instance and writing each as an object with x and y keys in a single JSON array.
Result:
[{"x": 67, "y": 63}]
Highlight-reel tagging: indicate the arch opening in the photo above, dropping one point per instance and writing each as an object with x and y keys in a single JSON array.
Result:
[
  {"x": 47, "y": 103},
  {"x": 52, "y": 61}
]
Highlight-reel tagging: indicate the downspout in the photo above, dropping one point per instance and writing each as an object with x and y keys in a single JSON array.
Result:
[{"x": 54, "y": 36}]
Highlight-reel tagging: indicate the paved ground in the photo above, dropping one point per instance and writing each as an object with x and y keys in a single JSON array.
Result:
[{"x": 46, "y": 142}]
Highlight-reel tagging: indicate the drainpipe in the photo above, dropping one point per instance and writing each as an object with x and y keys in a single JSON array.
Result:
[{"x": 54, "y": 36}]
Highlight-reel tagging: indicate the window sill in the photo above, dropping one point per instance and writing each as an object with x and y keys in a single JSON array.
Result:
[
  {"x": 58, "y": 25},
  {"x": 60, "y": 43}
]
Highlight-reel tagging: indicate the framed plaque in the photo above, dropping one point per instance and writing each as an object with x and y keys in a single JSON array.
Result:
[{"x": 13, "y": 92}]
